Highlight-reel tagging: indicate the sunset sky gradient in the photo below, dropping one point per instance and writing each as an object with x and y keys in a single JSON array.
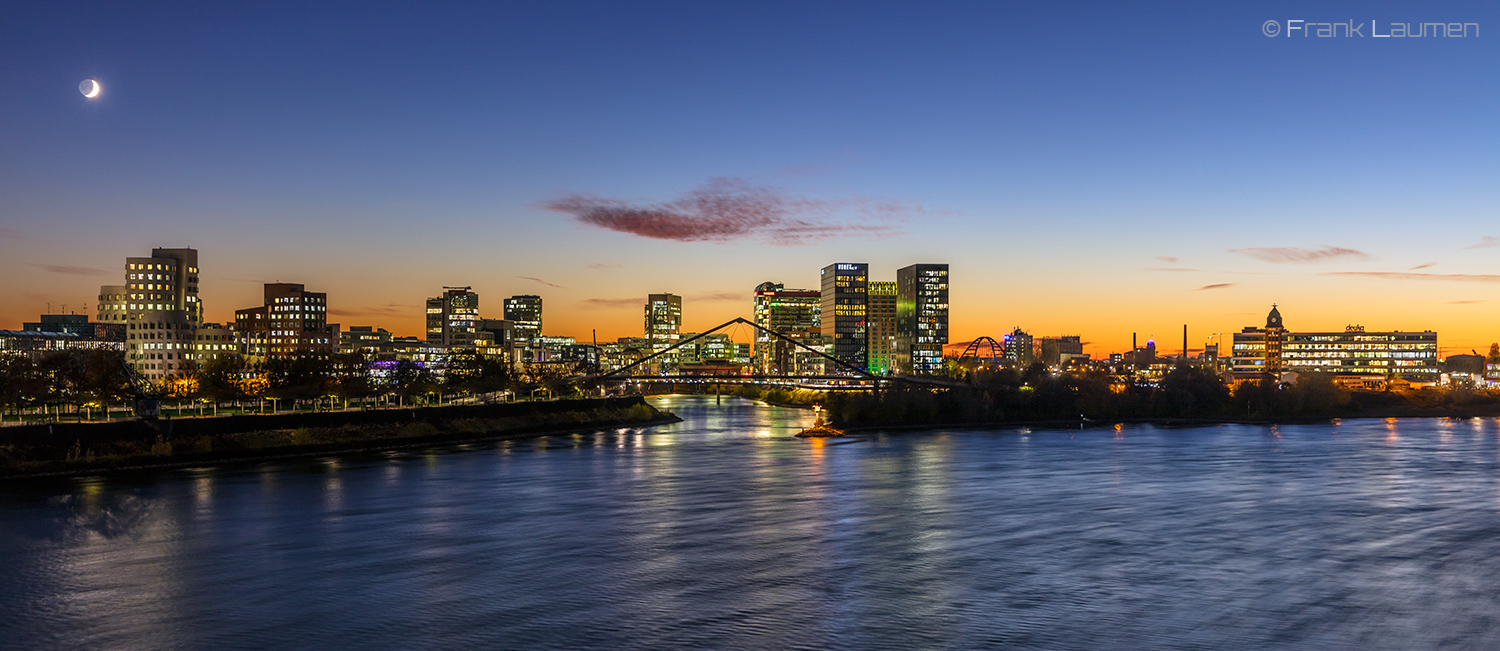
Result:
[{"x": 1085, "y": 168}]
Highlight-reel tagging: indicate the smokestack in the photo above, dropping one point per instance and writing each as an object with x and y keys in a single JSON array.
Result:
[{"x": 1184, "y": 343}]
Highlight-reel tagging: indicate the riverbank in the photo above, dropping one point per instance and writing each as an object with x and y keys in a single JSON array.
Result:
[
  {"x": 1477, "y": 411},
  {"x": 794, "y": 398},
  {"x": 90, "y": 448},
  {"x": 1186, "y": 396}
]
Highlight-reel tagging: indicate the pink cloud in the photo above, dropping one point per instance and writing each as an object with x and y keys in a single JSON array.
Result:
[
  {"x": 729, "y": 209},
  {"x": 539, "y": 280}
]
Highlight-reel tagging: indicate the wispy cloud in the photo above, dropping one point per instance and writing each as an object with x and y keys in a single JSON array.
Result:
[
  {"x": 11, "y": 234},
  {"x": 1397, "y": 275},
  {"x": 1422, "y": 266},
  {"x": 817, "y": 168},
  {"x": 706, "y": 297},
  {"x": 1167, "y": 259},
  {"x": 601, "y": 266},
  {"x": 1465, "y": 302},
  {"x": 387, "y": 310},
  {"x": 1168, "y": 269},
  {"x": 1486, "y": 242},
  {"x": 730, "y": 209},
  {"x": 1291, "y": 254},
  {"x": 1215, "y": 286},
  {"x": 613, "y": 302},
  {"x": 69, "y": 270},
  {"x": 720, "y": 296},
  {"x": 539, "y": 280}
]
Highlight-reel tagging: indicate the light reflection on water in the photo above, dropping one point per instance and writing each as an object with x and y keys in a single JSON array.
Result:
[{"x": 724, "y": 531}]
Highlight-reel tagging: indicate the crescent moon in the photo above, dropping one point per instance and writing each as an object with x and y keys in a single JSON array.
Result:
[{"x": 93, "y": 92}]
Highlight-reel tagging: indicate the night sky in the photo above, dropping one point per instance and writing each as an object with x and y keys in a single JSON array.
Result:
[{"x": 1085, "y": 168}]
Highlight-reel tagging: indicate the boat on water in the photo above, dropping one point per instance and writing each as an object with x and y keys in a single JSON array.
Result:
[{"x": 820, "y": 430}]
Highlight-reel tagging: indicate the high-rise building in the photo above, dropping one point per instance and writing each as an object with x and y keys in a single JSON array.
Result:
[
  {"x": 525, "y": 311},
  {"x": 292, "y": 321},
  {"x": 1018, "y": 349},
  {"x": 162, "y": 311},
  {"x": 921, "y": 318},
  {"x": 453, "y": 318},
  {"x": 883, "y": 301},
  {"x": 845, "y": 317},
  {"x": 796, "y": 313},
  {"x": 663, "y": 323}
]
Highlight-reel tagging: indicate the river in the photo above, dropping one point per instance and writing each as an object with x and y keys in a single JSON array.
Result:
[{"x": 723, "y": 531}]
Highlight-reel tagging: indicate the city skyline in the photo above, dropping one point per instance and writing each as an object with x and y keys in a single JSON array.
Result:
[
  {"x": 1141, "y": 169},
  {"x": 423, "y": 318}
]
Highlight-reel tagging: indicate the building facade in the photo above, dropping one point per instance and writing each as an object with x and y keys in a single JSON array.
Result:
[
  {"x": 663, "y": 325},
  {"x": 795, "y": 313},
  {"x": 162, "y": 311},
  {"x": 1059, "y": 351},
  {"x": 882, "y": 326},
  {"x": 374, "y": 343},
  {"x": 1019, "y": 349},
  {"x": 112, "y": 305},
  {"x": 525, "y": 312},
  {"x": 1409, "y": 356},
  {"x": 845, "y": 304},
  {"x": 453, "y": 318},
  {"x": 921, "y": 318},
  {"x": 498, "y": 338},
  {"x": 213, "y": 341},
  {"x": 293, "y": 321}
]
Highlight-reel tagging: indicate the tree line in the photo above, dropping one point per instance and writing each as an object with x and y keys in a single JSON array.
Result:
[
  {"x": 1186, "y": 392},
  {"x": 100, "y": 378}
]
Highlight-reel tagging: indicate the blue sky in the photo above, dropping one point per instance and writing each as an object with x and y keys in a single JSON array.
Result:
[{"x": 1051, "y": 152}]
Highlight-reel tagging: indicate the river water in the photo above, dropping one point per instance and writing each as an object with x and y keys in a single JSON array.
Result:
[{"x": 725, "y": 532}]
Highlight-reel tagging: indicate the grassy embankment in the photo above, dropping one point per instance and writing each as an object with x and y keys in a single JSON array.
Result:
[{"x": 69, "y": 455}]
